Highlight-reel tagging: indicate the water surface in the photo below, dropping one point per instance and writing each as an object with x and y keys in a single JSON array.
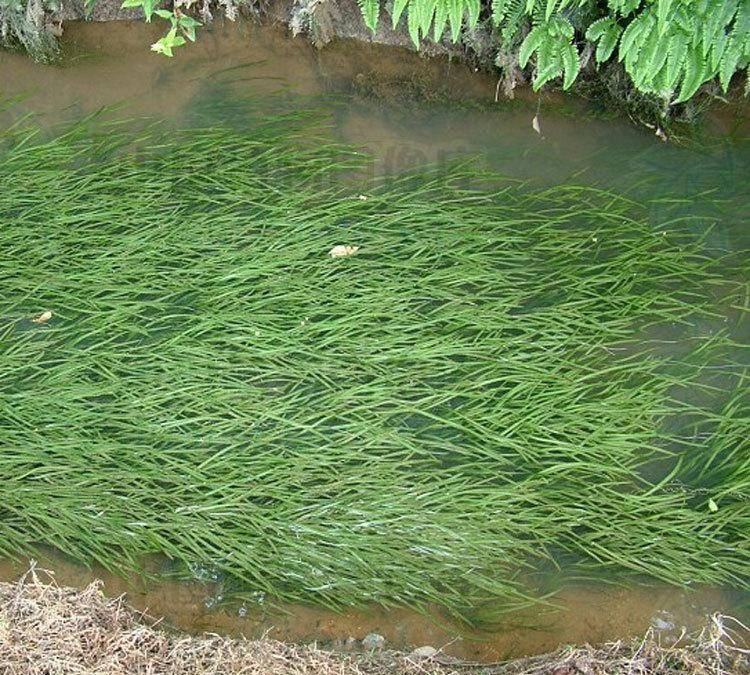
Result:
[{"x": 406, "y": 111}]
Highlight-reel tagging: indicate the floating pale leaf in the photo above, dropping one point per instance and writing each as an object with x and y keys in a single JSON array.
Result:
[
  {"x": 341, "y": 250},
  {"x": 535, "y": 124},
  {"x": 713, "y": 507},
  {"x": 44, "y": 317}
]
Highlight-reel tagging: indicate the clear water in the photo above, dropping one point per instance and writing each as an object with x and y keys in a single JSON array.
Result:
[{"x": 406, "y": 112}]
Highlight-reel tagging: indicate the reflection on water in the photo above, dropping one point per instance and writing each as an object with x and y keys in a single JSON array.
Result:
[
  {"x": 406, "y": 111},
  {"x": 586, "y": 613}
]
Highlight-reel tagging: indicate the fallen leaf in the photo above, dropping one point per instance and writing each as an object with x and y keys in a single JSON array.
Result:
[
  {"x": 341, "y": 250},
  {"x": 535, "y": 124},
  {"x": 44, "y": 317}
]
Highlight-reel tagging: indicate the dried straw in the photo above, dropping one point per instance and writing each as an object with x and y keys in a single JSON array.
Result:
[{"x": 46, "y": 629}]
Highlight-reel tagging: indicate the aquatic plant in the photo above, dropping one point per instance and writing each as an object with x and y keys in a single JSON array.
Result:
[
  {"x": 83, "y": 630},
  {"x": 222, "y": 346}
]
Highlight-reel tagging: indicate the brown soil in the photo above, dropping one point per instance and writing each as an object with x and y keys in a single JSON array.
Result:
[
  {"x": 593, "y": 613},
  {"x": 47, "y": 629}
]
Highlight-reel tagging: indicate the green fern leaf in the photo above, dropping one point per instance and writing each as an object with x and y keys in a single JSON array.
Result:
[
  {"x": 598, "y": 28},
  {"x": 544, "y": 75},
  {"x": 659, "y": 82},
  {"x": 663, "y": 10},
  {"x": 551, "y": 4},
  {"x": 473, "y": 8},
  {"x": 650, "y": 58},
  {"x": 530, "y": 6},
  {"x": 413, "y": 21},
  {"x": 398, "y": 10},
  {"x": 695, "y": 74},
  {"x": 631, "y": 36},
  {"x": 742, "y": 23},
  {"x": 717, "y": 50},
  {"x": 548, "y": 62},
  {"x": 455, "y": 17},
  {"x": 571, "y": 64},
  {"x": 714, "y": 24},
  {"x": 531, "y": 43},
  {"x": 677, "y": 47},
  {"x": 560, "y": 26},
  {"x": 624, "y": 7},
  {"x": 370, "y": 13},
  {"x": 515, "y": 13},
  {"x": 684, "y": 19},
  {"x": 499, "y": 11},
  {"x": 426, "y": 12},
  {"x": 729, "y": 61},
  {"x": 441, "y": 14},
  {"x": 607, "y": 43}
]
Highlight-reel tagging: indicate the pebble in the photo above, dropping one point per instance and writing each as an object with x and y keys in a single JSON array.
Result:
[
  {"x": 373, "y": 641},
  {"x": 660, "y": 624},
  {"x": 426, "y": 652}
]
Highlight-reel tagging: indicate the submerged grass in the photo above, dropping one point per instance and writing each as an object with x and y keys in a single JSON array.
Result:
[{"x": 483, "y": 388}]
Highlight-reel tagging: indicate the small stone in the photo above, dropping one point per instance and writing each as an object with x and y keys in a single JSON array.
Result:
[
  {"x": 373, "y": 641},
  {"x": 426, "y": 652},
  {"x": 351, "y": 644},
  {"x": 660, "y": 624}
]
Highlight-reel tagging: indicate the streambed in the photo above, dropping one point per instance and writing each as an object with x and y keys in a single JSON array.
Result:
[{"x": 408, "y": 112}]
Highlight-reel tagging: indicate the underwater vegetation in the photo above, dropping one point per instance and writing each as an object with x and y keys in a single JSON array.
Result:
[{"x": 225, "y": 346}]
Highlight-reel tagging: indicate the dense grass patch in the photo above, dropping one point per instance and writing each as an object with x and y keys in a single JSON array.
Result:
[{"x": 489, "y": 385}]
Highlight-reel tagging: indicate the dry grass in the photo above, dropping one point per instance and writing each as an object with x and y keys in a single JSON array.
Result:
[{"x": 50, "y": 630}]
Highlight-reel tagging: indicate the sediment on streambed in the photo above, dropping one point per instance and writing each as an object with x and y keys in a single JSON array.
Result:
[{"x": 45, "y": 628}]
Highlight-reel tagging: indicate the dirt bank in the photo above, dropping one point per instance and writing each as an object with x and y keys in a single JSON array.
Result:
[
  {"x": 342, "y": 19},
  {"x": 45, "y": 628}
]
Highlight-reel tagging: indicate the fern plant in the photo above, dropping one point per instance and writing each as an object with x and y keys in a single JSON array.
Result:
[{"x": 668, "y": 47}]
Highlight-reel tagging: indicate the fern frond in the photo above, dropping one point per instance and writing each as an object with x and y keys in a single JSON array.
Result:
[
  {"x": 729, "y": 62},
  {"x": 632, "y": 35},
  {"x": 650, "y": 57},
  {"x": 608, "y": 34},
  {"x": 695, "y": 73},
  {"x": 413, "y": 21},
  {"x": 500, "y": 10},
  {"x": 370, "y": 13},
  {"x": 677, "y": 47},
  {"x": 623, "y": 7},
  {"x": 473, "y": 8},
  {"x": 531, "y": 43},
  {"x": 663, "y": 12},
  {"x": 571, "y": 64},
  {"x": 397, "y": 11},
  {"x": 598, "y": 28},
  {"x": 455, "y": 17},
  {"x": 441, "y": 15}
]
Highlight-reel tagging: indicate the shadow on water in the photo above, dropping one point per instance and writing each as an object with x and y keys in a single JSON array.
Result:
[{"x": 406, "y": 112}]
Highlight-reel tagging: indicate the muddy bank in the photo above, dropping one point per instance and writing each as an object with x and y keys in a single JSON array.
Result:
[
  {"x": 342, "y": 20},
  {"x": 592, "y": 613},
  {"x": 45, "y": 627}
]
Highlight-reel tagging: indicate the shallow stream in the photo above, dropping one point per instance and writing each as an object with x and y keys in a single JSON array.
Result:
[{"x": 406, "y": 111}]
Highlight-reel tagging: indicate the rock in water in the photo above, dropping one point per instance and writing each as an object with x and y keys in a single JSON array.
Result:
[{"x": 373, "y": 641}]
